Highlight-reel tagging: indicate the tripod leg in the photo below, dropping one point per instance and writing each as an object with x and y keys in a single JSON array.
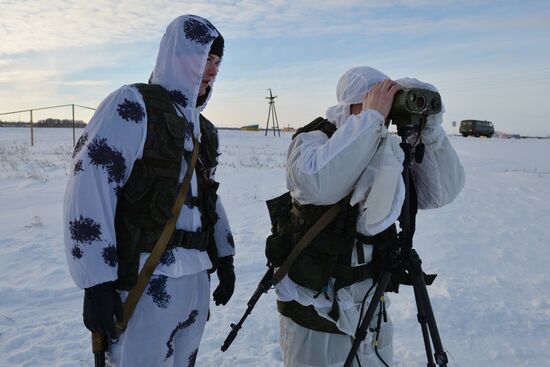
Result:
[
  {"x": 424, "y": 326},
  {"x": 423, "y": 299},
  {"x": 361, "y": 332}
]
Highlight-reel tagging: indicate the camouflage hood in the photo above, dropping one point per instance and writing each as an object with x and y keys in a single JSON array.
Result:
[{"x": 181, "y": 60}]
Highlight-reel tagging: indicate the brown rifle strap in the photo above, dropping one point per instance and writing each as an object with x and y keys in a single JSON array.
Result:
[
  {"x": 160, "y": 247},
  {"x": 306, "y": 239}
]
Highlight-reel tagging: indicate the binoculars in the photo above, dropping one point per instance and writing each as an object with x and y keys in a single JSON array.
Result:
[{"x": 411, "y": 106}]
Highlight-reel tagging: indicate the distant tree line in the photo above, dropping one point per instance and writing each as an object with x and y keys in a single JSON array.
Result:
[{"x": 49, "y": 122}]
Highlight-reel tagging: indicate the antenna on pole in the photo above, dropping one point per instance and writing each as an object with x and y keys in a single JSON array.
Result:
[{"x": 272, "y": 113}]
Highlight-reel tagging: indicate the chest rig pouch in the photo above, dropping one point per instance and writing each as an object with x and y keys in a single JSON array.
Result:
[{"x": 146, "y": 200}]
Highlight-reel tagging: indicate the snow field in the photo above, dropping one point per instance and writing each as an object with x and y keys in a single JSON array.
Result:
[{"x": 490, "y": 249}]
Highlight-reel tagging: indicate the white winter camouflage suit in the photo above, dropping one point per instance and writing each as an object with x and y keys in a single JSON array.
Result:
[
  {"x": 361, "y": 157},
  {"x": 169, "y": 319}
]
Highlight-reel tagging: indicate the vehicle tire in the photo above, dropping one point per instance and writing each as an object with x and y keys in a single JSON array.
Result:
[{"x": 465, "y": 135}]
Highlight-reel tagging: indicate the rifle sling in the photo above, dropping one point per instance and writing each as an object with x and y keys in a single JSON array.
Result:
[
  {"x": 306, "y": 239},
  {"x": 160, "y": 247}
]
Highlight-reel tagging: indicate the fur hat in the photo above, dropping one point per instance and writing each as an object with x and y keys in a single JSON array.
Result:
[{"x": 217, "y": 46}]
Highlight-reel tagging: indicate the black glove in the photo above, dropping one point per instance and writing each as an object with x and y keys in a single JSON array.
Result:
[
  {"x": 101, "y": 305},
  {"x": 226, "y": 275}
]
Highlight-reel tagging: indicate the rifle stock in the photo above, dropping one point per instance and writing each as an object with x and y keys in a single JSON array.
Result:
[{"x": 264, "y": 285}]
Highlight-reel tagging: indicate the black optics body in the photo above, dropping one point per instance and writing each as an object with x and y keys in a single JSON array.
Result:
[{"x": 411, "y": 106}]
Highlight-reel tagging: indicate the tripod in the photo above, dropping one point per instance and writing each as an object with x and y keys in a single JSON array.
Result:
[
  {"x": 404, "y": 258},
  {"x": 273, "y": 113}
]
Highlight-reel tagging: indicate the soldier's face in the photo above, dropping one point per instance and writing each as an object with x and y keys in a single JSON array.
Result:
[{"x": 210, "y": 72}]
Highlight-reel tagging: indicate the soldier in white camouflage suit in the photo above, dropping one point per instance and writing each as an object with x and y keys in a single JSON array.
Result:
[
  {"x": 127, "y": 168},
  {"x": 350, "y": 154}
]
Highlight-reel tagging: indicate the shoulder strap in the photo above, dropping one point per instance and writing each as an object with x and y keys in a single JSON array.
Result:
[
  {"x": 209, "y": 142},
  {"x": 306, "y": 239},
  {"x": 155, "y": 96},
  {"x": 320, "y": 124},
  {"x": 160, "y": 247}
]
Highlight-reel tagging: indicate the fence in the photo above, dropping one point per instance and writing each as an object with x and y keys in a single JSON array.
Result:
[{"x": 47, "y": 108}]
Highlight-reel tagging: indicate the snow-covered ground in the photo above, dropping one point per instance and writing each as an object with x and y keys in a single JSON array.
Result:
[{"x": 491, "y": 249}]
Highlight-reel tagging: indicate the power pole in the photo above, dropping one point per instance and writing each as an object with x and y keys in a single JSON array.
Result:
[{"x": 273, "y": 114}]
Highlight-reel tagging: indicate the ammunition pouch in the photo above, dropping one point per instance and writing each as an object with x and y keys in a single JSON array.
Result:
[
  {"x": 207, "y": 198},
  {"x": 280, "y": 242},
  {"x": 307, "y": 317},
  {"x": 330, "y": 249},
  {"x": 384, "y": 242},
  {"x": 277, "y": 248},
  {"x": 191, "y": 240}
]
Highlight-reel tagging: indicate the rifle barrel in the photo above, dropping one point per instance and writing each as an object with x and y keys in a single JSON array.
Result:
[
  {"x": 232, "y": 335},
  {"x": 263, "y": 287}
]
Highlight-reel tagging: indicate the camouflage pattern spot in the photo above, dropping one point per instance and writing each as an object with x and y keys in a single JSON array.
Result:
[
  {"x": 78, "y": 167},
  {"x": 197, "y": 31},
  {"x": 230, "y": 240},
  {"x": 177, "y": 96},
  {"x": 205, "y": 21},
  {"x": 189, "y": 131},
  {"x": 131, "y": 111},
  {"x": 192, "y": 358},
  {"x": 157, "y": 291},
  {"x": 110, "y": 256},
  {"x": 80, "y": 144},
  {"x": 167, "y": 258},
  {"x": 110, "y": 159},
  {"x": 85, "y": 230},
  {"x": 182, "y": 325},
  {"x": 76, "y": 252}
]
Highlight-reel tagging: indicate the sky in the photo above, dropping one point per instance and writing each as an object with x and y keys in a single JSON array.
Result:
[{"x": 490, "y": 60}]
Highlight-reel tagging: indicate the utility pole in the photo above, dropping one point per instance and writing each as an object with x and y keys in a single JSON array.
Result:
[{"x": 273, "y": 114}]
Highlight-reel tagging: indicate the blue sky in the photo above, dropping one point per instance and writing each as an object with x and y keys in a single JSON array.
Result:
[{"x": 489, "y": 59}]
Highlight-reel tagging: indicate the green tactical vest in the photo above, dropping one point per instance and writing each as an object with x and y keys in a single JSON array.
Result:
[
  {"x": 328, "y": 255},
  {"x": 146, "y": 200}
]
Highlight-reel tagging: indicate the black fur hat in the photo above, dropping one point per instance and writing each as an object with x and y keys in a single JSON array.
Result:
[{"x": 217, "y": 46}]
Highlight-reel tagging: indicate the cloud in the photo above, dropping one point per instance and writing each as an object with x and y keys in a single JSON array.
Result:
[
  {"x": 6, "y": 61},
  {"x": 82, "y": 83},
  {"x": 37, "y": 26},
  {"x": 24, "y": 76}
]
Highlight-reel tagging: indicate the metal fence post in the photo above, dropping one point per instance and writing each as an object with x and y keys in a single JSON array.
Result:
[
  {"x": 32, "y": 132},
  {"x": 31, "y": 123}
]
